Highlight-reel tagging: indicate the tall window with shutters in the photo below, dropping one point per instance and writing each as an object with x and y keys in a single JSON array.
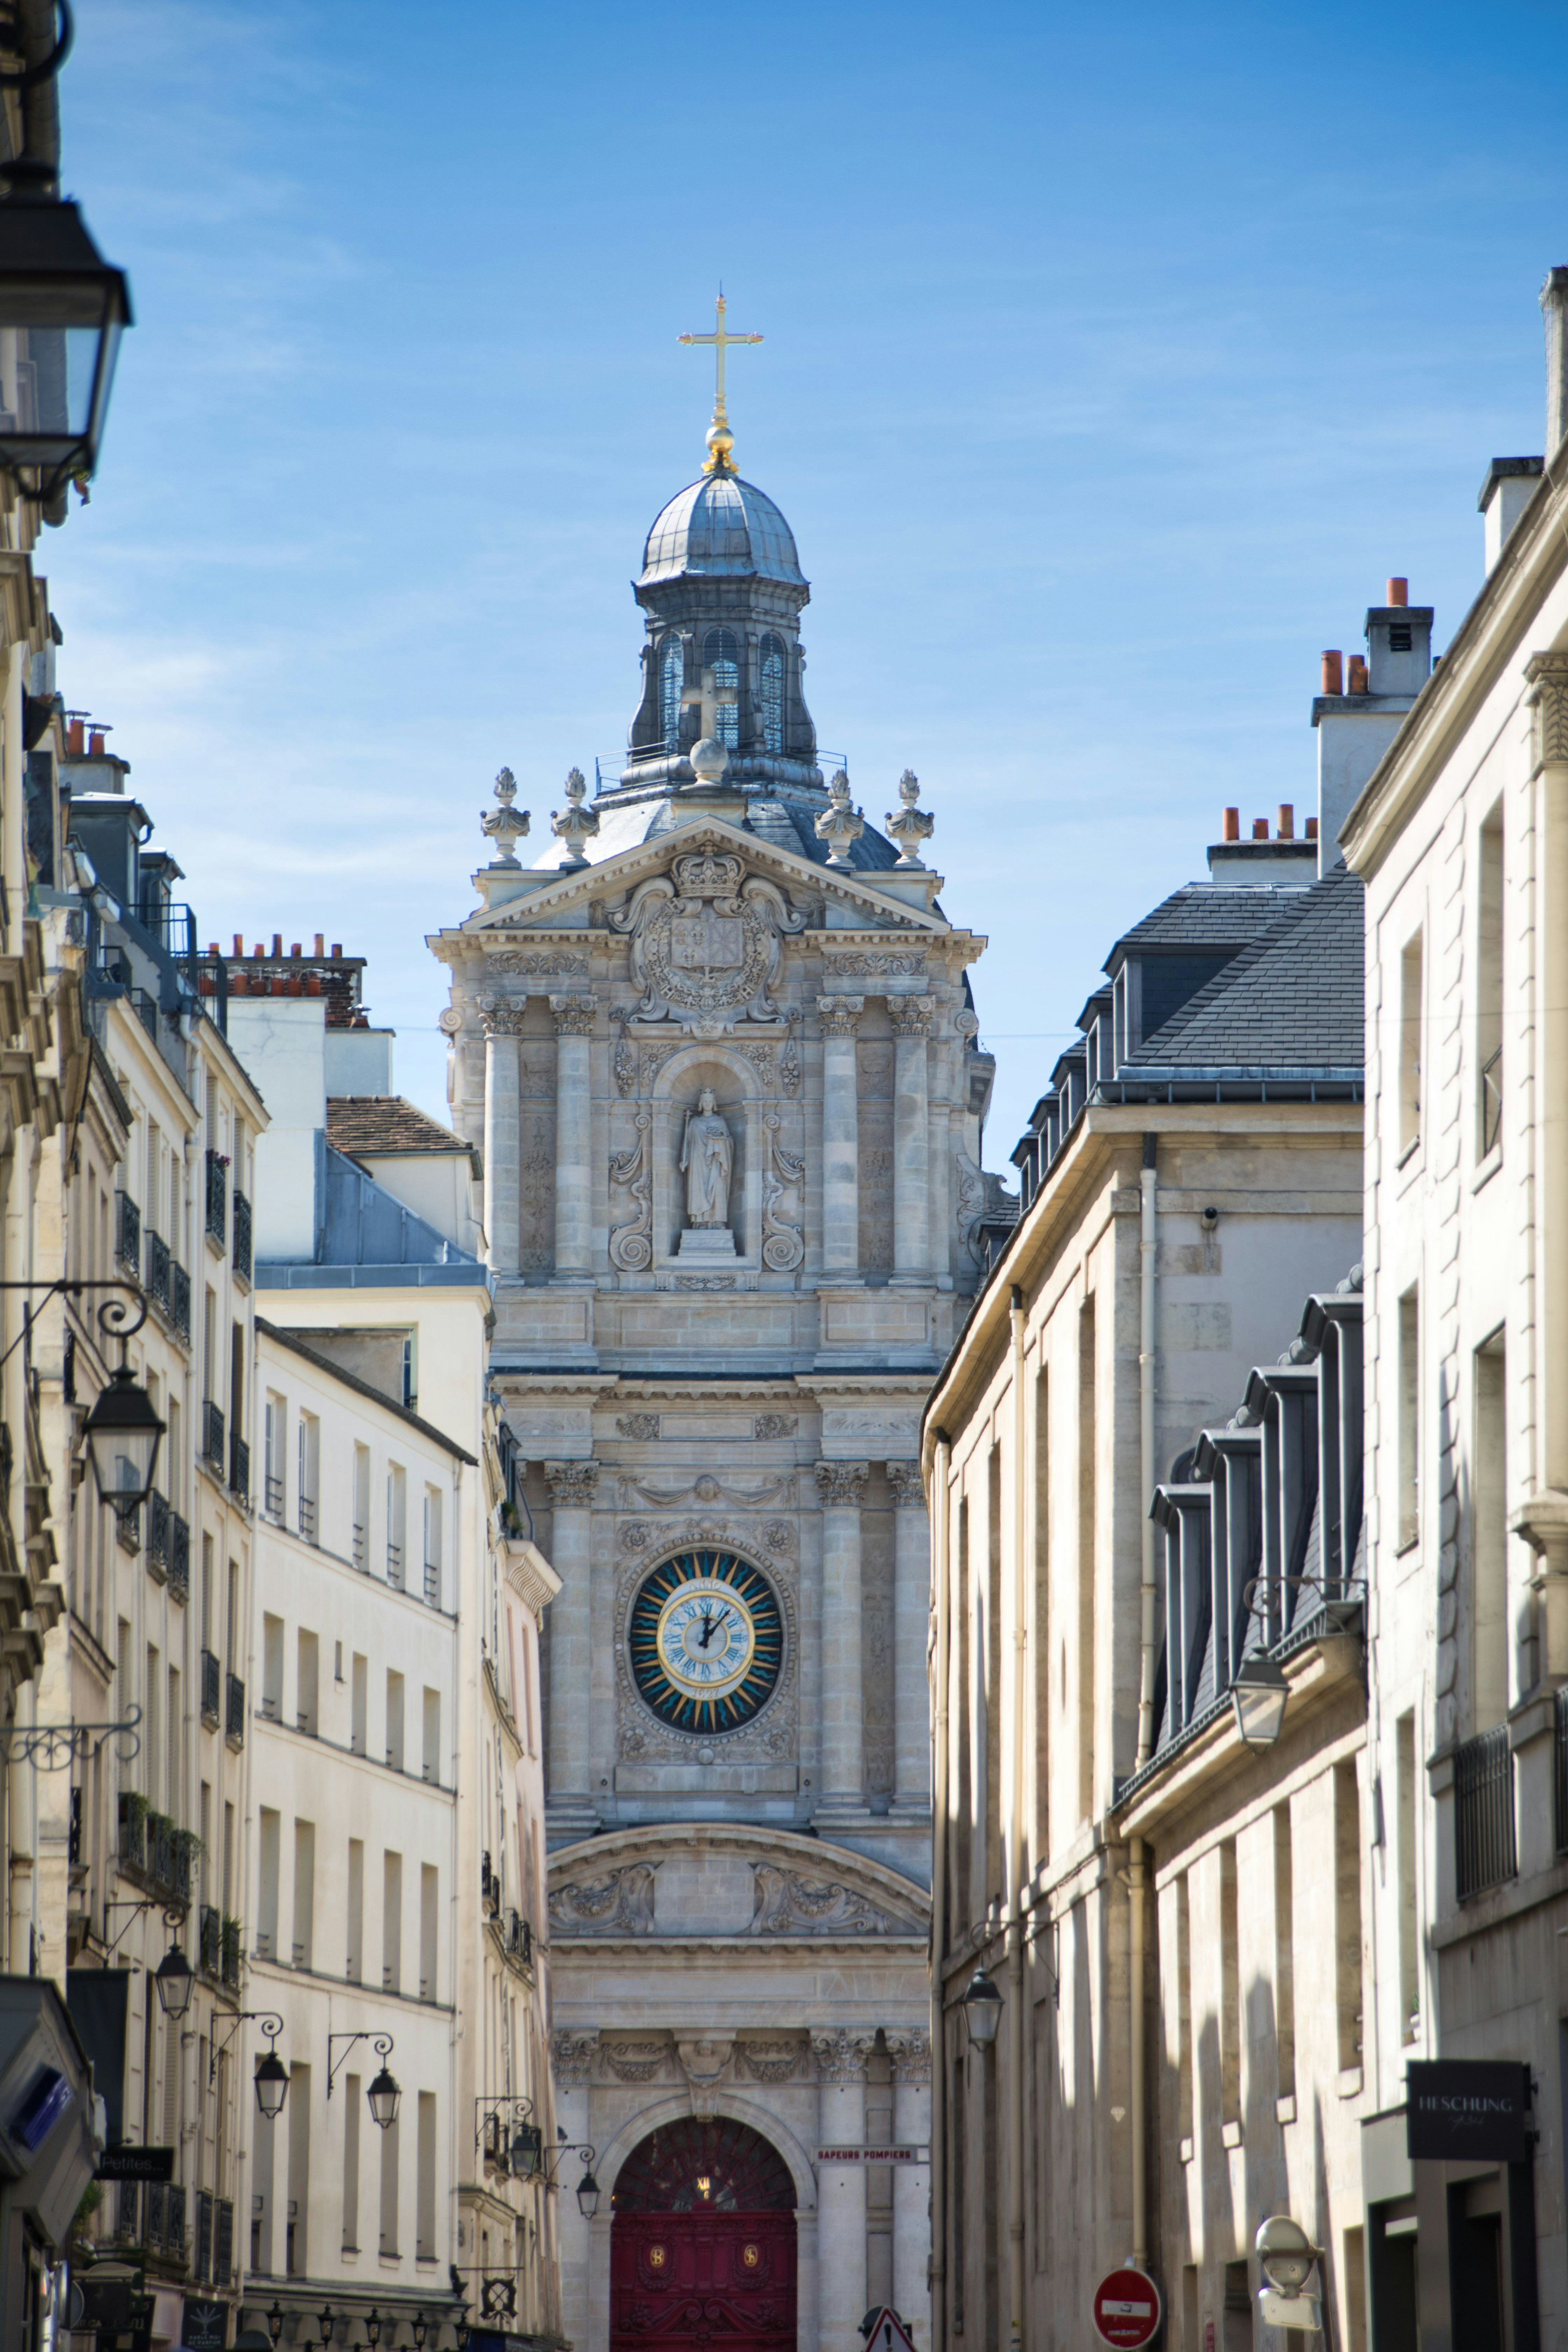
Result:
[
  {"x": 671, "y": 679},
  {"x": 721, "y": 655},
  {"x": 771, "y": 683}
]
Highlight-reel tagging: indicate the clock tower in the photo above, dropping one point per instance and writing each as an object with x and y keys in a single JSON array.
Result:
[{"x": 717, "y": 1047}]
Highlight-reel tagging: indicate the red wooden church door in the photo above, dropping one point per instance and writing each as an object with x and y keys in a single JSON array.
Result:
[{"x": 702, "y": 2244}]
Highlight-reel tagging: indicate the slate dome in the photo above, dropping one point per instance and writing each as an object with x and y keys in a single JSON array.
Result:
[{"x": 720, "y": 528}]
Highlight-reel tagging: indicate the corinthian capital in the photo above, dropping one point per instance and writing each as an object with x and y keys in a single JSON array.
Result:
[
  {"x": 502, "y": 1017},
  {"x": 841, "y": 2054},
  {"x": 906, "y": 1486},
  {"x": 840, "y": 1014},
  {"x": 843, "y": 1484},
  {"x": 911, "y": 1016},
  {"x": 1547, "y": 676},
  {"x": 573, "y": 1016},
  {"x": 911, "y": 2054},
  {"x": 573, "y": 2055},
  {"x": 571, "y": 1485}
]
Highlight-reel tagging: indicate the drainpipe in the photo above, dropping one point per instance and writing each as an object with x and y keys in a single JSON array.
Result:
[
  {"x": 1016, "y": 2332},
  {"x": 941, "y": 1829},
  {"x": 1137, "y": 1871}
]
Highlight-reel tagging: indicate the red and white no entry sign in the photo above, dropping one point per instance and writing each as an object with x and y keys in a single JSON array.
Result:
[{"x": 1127, "y": 2309}]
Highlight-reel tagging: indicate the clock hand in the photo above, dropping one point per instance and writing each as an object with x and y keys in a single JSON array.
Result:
[{"x": 707, "y": 1632}]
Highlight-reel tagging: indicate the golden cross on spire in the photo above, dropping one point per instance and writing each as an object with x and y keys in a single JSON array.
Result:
[{"x": 721, "y": 440}]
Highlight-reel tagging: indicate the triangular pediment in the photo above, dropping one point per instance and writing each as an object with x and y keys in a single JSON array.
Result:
[{"x": 564, "y": 900}]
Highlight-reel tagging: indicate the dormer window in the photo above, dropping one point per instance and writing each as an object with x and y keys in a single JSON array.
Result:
[
  {"x": 721, "y": 655},
  {"x": 671, "y": 679},
  {"x": 771, "y": 679}
]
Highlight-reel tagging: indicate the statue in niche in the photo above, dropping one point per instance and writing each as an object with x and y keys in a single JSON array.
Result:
[{"x": 706, "y": 1163}]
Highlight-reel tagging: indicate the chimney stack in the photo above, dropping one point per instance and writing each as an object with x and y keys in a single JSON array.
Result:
[{"x": 1554, "y": 308}]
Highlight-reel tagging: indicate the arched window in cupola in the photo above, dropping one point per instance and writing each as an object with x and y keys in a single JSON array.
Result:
[
  {"x": 671, "y": 679},
  {"x": 772, "y": 681},
  {"x": 721, "y": 655}
]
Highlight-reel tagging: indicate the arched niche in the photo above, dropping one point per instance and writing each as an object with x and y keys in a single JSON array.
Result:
[{"x": 737, "y": 1090}]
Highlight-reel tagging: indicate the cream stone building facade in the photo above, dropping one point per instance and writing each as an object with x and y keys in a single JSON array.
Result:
[
  {"x": 718, "y": 1051},
  {"x": 1462, "y": 839}
]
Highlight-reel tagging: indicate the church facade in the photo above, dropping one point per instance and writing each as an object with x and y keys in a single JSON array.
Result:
[{"x": 717, "y": 1050}]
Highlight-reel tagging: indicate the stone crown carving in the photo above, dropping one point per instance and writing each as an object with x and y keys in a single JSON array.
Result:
[
  {"x": 842, "y": 1483},
  {"x": 705, "y": 945}
]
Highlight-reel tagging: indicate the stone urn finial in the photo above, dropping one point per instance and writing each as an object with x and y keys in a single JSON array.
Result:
[
  {"x": 840, "y": 823},
  {"x": 912, "y": 825},
  {"x": 575, "y": 825},
  {"x": 505, "y": 825}
]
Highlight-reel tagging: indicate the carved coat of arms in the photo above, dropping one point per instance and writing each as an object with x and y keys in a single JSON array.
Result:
[{"x": 705, "y": 940}]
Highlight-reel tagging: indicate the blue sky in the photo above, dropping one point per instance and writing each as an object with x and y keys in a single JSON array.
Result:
[{"x": 1114, "y": 359}]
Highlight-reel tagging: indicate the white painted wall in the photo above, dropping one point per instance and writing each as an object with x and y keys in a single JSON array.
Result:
[{"x": 280, "y": 1041}]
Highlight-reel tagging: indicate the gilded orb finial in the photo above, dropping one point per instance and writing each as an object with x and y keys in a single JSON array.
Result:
[{"x": 721, "y": 440}]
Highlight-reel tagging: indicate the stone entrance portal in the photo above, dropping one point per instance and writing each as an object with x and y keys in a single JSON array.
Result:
[{"x": 702, "y": 2246}]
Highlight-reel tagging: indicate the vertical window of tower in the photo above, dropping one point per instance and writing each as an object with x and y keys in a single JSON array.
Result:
[
  {"x": 721, "y": 655},
  {"x": 671, "y": 679},
  {"x": 772, "y": 679}
]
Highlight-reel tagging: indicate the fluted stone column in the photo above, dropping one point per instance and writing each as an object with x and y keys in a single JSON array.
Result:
[
  {"x": 911, "y": 1017},
  {"x": 841, "y": 2188},
  {"x": 574, "y": 1136},
  {"x": 843, "y": 1488},
  {"x": 569, "y": 1804},
  {"x": 502, "y": 1210},
  {"x": 910, "y": 2052},
  {"x": 840, "y": 1134},
  {"x": 912, "y": 1612}
]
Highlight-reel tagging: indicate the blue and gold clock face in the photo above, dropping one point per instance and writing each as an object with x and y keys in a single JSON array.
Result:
[{"x": 707, "y": 1641}]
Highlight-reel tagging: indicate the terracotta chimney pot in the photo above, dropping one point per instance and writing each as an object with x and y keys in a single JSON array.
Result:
[
  {"x": 1261, "y": 828},
  {"x": 76, "y": 738},
  {"x": 239, "y": 944},
  {"x": 1357, "y": 680},
  {"x": 1287, "y": 821},
  {"x": 1311, "y": 828},
  {"x": 276, "y": 944},
  {"x": 337, "y": 950},
  {"x": 1231, "y": 826},
  {"x": 1399, "y": 591},
  {"x": 1333, "y": 673},
  {"x": 321, "y": 950},
  {"x": 95, "y": 744}
]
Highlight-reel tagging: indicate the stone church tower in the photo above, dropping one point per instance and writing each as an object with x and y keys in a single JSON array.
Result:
[{"x": 718, "y": 1051}]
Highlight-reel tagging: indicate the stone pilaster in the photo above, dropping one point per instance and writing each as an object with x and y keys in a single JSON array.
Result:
[
  {"x": 1547, "y": 1527},
  {"x": 841, "y": 2058},
  {"x": 843, "y": 1488},
  {"x": 910, "y": 2049},
  {"x": 912, "y": 1611},
  {"x": 911, "y": 1018},
  {"x": 570, "y": 1808},
  {"x": 840, "y": 1018},
  {"x": 574, "y": 1137},
  {"x": 501, "y": 1145}
]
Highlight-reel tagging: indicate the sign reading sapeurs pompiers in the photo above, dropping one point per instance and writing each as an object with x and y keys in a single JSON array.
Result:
[{"x": 1127, "y": 2309}]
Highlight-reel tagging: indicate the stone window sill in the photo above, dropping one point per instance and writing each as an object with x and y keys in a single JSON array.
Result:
[
  {"x": 1487, "y": 1168},
  {"x": 1349, "y": 2082}
]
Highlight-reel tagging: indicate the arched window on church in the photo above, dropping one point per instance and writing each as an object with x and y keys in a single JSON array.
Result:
[
  {"x": 671, "y": 679},
  {"x": 773, "y": 680},
  {"x": 721, "y": 655}
]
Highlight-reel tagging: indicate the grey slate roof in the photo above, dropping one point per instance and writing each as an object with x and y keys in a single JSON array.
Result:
[
  {"x": 1200, "y": 916},
  {"x": 1293, "y": 999}
]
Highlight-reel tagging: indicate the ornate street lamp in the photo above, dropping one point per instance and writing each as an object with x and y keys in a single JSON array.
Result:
[
  {"x": 174, "y": 1982},
  {"x": 982, "y": 2006},
  {"x": 384, "y": 2095},
  {"x": 271, "y": 2085},
  {"x": 124, "y": 1431},
  {"x": 1258, "y": 1692},
  {"x": 63, "y": 310},
  {"x": 587, "y": 2197}
]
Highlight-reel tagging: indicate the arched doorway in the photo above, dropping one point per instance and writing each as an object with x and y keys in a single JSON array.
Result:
[{"x": 702, "y": 2249}]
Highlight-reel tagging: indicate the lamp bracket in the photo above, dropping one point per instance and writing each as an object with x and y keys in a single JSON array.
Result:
[
  {"x": 517, "y": 2108},
  {"x": 113, "y": 1315},
  {"x": 174, "y": 1916},
  {"x": 271, "y": 2024},
  {"x": 53, "y": 1747},
  {"x": 381, "y": 2043}
]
